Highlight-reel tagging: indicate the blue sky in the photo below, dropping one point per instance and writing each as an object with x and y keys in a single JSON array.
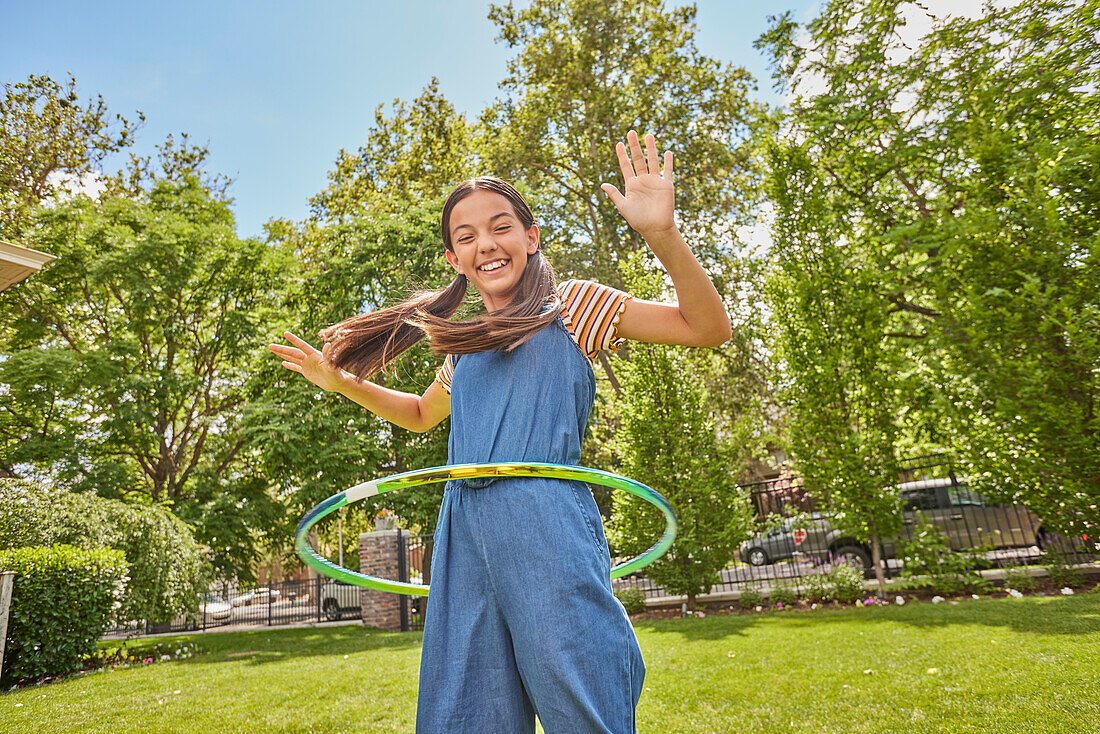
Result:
[{"x": 275, "y": 89}]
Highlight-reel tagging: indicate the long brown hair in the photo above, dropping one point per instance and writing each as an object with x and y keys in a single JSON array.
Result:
[{"x": 365, "y": 344}]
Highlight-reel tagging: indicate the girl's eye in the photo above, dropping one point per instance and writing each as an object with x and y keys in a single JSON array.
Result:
[{"x": 505, "y": 228}]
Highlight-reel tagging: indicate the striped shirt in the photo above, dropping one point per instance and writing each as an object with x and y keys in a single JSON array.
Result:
[{"x": 590, "y": 312}]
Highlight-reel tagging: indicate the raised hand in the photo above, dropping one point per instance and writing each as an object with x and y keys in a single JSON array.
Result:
[
  {"x": 650, "y": 198},
  {"x": 311, "y": 363}
]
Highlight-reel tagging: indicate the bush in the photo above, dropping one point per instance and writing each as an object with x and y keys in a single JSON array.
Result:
[
  {"x": 167, "y": 567},
  {"x": 819, "y": 588},
  {"x": 930, "y": 562},
  {"x": 1060, "y": 571},
  {"x": 782, "y": 594},
  {"x": 62, "y": 600},
  {"x": 847, "y": 580},
  {"x": 1017, "y": 577},
  {"x": 751, "y": 599},
  {"x": 632, "y": 599}
]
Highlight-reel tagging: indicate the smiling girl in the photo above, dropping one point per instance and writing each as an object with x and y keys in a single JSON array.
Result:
[{"x": 521, "y": 619}]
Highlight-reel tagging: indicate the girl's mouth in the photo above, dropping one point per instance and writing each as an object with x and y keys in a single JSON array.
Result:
[{"x": 491, "y": 266}]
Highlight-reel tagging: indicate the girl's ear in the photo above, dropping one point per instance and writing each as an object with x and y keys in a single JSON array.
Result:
[
  {"x": 533, "y": 239},
  {"x": 453, "y": 260}
]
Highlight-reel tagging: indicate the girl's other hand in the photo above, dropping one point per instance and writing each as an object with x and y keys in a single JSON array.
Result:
[
  {"x": 314, "y": 365},
  {"x": 650, "y": 198}
]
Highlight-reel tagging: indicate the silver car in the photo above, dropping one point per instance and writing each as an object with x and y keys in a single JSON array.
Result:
[{"x": 963, "y": 515}]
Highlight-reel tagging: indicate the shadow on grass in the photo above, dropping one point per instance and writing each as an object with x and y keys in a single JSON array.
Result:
[
  {"x": 268, "y": 646},
  {"x": 1062, "y": 615}
]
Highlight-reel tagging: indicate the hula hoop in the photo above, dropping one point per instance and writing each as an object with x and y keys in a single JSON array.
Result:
[{"x": 469, "y": 471}]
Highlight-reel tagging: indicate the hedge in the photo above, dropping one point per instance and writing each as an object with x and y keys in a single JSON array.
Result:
[
  {"x": 168, "y": 570},
  {"x": 62, "y": 600}
]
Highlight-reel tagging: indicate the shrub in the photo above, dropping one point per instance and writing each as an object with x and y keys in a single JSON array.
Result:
[
  {"x": 1059, "y": 570},
  {"x": 819, "y": 588},
  {"x": 632, "y": 599},
  {"x": 750, "y": 599},
  {"x": 930, "y": 562},
  {"x": 62, "y": 600},
  {"x": 167, "y": 566},
  {"x": 782, "y": 594},
  {"x": 847, "y": 580},
  {"x": 1017, "y": 577}
]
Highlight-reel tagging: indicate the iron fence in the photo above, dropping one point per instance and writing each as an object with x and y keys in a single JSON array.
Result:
[
  {"x": 797, "y": 540},
  {"x": 288, "y": 602}
]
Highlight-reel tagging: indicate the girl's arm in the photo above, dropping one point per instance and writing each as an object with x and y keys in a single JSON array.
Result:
[
  {"x": 414, "y": 412},
  {"x": 699, "y": 317}
]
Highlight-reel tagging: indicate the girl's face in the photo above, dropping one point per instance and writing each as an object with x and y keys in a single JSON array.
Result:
[{"x": 490, "y": 246}]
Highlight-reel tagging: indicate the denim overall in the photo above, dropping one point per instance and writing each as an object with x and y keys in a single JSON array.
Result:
[{"x": 521, "y": 619}]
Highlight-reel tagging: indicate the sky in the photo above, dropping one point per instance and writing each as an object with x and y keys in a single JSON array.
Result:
[{"x": 275, "y": 89}]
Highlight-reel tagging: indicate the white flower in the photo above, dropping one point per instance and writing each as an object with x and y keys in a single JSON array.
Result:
[
  {"x": 899, "y": 600},
  {"x": 759, "y": 608},
  {"x": 975, "y": 596},
  {"x": 813, "y": 606},
  {"x": 1015, "y": 594},
  {"x": 937, "y": 599},
  {"x": 1067, "y": 591}
]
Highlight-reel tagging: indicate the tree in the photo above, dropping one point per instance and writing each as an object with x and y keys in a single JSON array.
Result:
[
  {"x": 49, "y": 142},
  {"x": 583, "y": 76},
  {"x": 314, "y": 444},
  {"x": 962, "y": 170},
  {"x": 127, "y": 361},
  {"x": 667, "y": 439}
]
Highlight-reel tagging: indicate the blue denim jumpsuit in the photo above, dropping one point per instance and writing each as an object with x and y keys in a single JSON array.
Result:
[{"x": 521, "y": 620}]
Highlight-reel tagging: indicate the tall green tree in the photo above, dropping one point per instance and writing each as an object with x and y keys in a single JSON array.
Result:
[
  {"x": 962, "y": 171},
  {"x": 128, "y": 359},
  {"x": 314, "y": 444},
  {"x": 585, "y": 73},
  {"x": 667, "y": 437},
  {"x": 49, "y": 142}
]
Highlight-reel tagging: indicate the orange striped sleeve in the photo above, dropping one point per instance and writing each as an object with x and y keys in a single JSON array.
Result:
[
  {"x": 591, "y": 314},
  {"x": 445, "y": 374}
]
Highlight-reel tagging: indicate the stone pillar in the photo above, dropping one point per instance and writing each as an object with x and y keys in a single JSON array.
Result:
[{"x": 378, "y": 557}]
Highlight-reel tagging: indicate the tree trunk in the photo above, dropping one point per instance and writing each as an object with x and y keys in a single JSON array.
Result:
[{"x": 876, "y": 561}]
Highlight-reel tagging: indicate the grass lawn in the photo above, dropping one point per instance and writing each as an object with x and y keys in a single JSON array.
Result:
[{"x": 991, "y": 665}]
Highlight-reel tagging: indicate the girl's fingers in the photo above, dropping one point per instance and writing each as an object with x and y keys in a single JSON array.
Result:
[
  {"x": 616, "y": 196},
  {"x": 291, "y": 366},
  {"x": 304, "y": 346},
  {"x": 290, "y": 352},
  {"x": 651, "y": 154},
  {"x": 636, "y": 154},
  {"x": 624, "y": 161},
  {"x": 668, "y": 166}
]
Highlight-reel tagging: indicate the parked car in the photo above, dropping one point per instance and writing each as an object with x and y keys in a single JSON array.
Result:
[
  {"x": 963, "y": 515},
  {"x": 338, "y": 597},
  {"x": 215, "y": 610},
  {"x": 259, "y": 595}
]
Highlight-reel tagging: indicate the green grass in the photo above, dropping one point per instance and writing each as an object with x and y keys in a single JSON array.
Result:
[{"x": 1004, "y": 665}]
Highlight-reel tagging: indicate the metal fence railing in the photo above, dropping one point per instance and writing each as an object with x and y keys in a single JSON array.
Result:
[
  {"x": 797, "y": 540},
  {"x": 288, "y": 602}
]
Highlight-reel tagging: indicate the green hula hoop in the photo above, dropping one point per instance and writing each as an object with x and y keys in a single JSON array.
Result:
[{"x": 470, "y": 471}]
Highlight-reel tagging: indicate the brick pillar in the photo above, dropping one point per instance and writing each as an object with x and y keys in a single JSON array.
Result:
[{"x": 378, "y": 557}]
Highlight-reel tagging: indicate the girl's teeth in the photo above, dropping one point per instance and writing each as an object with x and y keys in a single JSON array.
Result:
[{"x": 493, "y": 266}]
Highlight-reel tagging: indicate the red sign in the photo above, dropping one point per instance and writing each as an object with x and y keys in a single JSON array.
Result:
[{"x": 799, "y": 536}]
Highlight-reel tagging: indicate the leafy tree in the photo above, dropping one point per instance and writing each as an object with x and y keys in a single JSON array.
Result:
[
  {"x": 128, "y": 359},
  {"x": 49, "y": 141},
  {"x": 313, "y": 444},
  {"x": 586, "y": 72},
  {"x": 667, "y": 438},
  {"x": 962, "y": 173}
]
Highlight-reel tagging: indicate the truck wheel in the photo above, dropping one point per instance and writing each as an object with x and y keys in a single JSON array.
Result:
[
  {"x": 853, "y": 555},
  {"x": 757, "y": 557},
  {"x": 331, "y": 609}
]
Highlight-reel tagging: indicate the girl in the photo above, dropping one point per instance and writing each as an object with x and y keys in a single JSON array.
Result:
[{"x": 521, "y": 620}]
